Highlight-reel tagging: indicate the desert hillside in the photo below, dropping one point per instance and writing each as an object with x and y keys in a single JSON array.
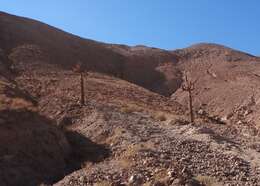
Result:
[
  {"x": 134, "y": 128},
  {"x": 136, "y": 64},
  {"x": 228, "y": 81},
  {"x": 33, "y": 149}
]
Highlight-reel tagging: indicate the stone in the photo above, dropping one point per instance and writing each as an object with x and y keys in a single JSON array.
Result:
[
  {"x": 171, "y": 173},
  {"x": 81, "y": 179},
  {"x": 223, "y": 119},
  {"x": 135, "y": 179},
  {"x": 201, "y": 112},
  {"x": 239, "y": 122}
]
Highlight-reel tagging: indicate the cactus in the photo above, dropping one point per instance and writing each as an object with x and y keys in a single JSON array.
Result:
[
  {"x": 78, "y": 69},
  {"x": 189, "y": 86}
]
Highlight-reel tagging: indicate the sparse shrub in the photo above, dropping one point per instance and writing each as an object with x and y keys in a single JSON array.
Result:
[
  {"x": 161, "y": 177},
  {"x": 103, "y": 183},
  {"x": 127, "y": 110},
  {"x": 207, "y": 181},
  {"x": 160, "y": 117},
  {"x": 115, "y": 136},
  {"x": 19, "y": 103},
  {"x": 126, "y": 158},
  {"x": 130, "y": 108}
]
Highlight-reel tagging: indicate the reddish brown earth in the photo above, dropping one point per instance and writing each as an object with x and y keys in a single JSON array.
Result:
[
  {"x": 133, "y": 64},
  {"x": 228, "y": 81},
  {"x": 134, "y": 128},
  {"x": 33, "y": 150}
]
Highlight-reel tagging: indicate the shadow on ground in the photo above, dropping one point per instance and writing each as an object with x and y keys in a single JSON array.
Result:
[
  {"x": 84, "y": 150},
  {"x": 34, "y": 151}
]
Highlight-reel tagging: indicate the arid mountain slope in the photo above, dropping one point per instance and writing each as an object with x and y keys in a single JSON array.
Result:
[
  {"x": 228, "y": 81},
  {"x": 32, "y": 149},
  {"x": 64, "y": 49},
  {"x": 158, "y": 70},
  {"x": 144, "y": 137}
]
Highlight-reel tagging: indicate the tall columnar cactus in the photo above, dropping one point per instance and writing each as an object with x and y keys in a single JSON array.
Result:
[
  {"x": 78, "y": 69},
  {"x": 189, "y": 86}
]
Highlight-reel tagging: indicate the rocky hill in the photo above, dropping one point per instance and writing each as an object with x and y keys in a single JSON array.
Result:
[
  {"x": 228, "y": 81},
  {"x": 133, "y": 64},
  {"x": 134, "y": 128}
]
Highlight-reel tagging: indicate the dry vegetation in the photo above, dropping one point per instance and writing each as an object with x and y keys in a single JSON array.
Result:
[
  {"x": 104, "y": 183},
  {"x": 130, "y": 108},
  {"x": 207, "y": 181},
  {"x": 160, "y": 116}
]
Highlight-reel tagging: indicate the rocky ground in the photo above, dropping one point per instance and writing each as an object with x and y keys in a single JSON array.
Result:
[
  {"x": 127, "y": 135},
  {"x": 148, "y": 151},
  {"x": 142, "y": 138}
]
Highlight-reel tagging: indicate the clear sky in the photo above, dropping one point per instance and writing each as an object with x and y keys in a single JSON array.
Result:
[{"x": 168, "y": 24}]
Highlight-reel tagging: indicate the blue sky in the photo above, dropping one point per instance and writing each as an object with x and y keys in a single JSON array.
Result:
[{"x": 168, "y": 24}]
